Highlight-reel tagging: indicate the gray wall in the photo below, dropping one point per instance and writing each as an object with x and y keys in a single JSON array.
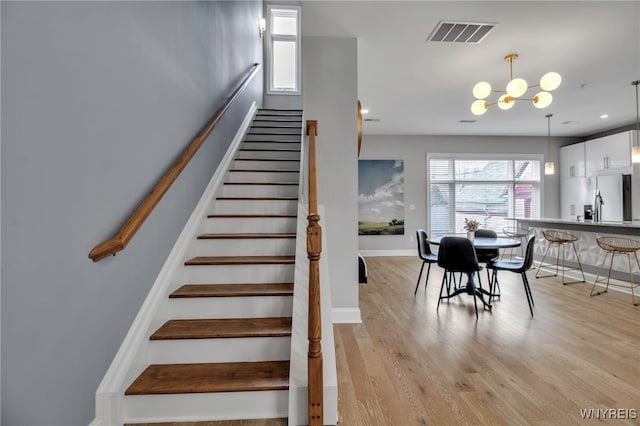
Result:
[
  {"x": 413, "y": 150},
  {"x": 99, "y": 99},
  {"x": 330, "y": 96}
]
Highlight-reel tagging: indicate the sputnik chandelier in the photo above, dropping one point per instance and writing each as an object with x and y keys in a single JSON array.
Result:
[{"x": 516, "y": 88}]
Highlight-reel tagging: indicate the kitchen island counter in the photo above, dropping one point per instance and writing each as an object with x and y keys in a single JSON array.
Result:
[
  {"x": 625, "y": 228},
  {"x": 588, "y": 232}
]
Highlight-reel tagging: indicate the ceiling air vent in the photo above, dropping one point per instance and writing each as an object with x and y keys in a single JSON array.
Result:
[
  {"x": 460, "y": 32},
  {"x": 372, "y": 119}
]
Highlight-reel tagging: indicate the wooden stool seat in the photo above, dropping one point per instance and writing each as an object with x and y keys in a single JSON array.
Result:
[{"x": 613, "y": 246}]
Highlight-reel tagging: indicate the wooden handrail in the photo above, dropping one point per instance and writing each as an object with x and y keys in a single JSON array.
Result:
[
  {"x": 314, "y": 248},
  {"x": 135, "y": 221}
]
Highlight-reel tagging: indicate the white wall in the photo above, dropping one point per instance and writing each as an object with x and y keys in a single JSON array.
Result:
[
  {"x": 99, "y": 99},
  {"x": 413, "y": 150},
  {"x": 330, "y": 96}
]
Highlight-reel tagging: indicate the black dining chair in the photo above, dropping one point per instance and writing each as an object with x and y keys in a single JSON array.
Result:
[
  {"x": 519, "y": 267},
  {"x": 457, "y": 254},
  {"x": 424, "y": 252},
  {"x": 487, "y": 255}
]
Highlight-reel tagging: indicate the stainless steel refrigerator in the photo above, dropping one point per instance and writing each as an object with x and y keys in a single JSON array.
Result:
[{"x": 615, "y": 193}]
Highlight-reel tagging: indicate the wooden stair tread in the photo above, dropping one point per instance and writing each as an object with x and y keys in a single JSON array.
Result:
[
  {"x": 261, "y": 183},
  {"x": 258, "y": 198},
  {"x": 251, "y": 216},
  {"x": 260, "y": 116},
  {"x": 223, "y": 328},
  {"x": 268, "y": 159},
  {"x": 240, "y": 260},
  {"x": 280, "y": 421},
  {"x": 277, "y": 120},
  {"x": 211, "y": 377},
  {"x": 265, "y": 170},
  {"x": 274, "y": 133},
  {"x": 233, "y": 290},
  {"x": 266, "y": 149},
  {"x": 278, "y": 126},
  {"x": 282, "y": 141},
  {"x": 254, "y": 236}
]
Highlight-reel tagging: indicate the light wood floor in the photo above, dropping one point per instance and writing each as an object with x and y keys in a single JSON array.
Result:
[{"x": 408, "y": 364}]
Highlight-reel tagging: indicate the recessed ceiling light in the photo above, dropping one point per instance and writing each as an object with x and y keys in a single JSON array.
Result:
[
  {"x": 364, "y": 111},
  {"x": 604, "y": 116}
]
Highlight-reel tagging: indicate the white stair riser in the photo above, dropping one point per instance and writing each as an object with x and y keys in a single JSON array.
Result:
[
  {"x": 260, "y": 118},
  {"x": 263, "y": 176},
  {"x": 271, "y": 145},
  {"x": 260, "y": 190},
  {"x": 230, "y": 307},
  {"x": 288, "y": 207},
  {"x": 246, "y": 247},
  {"x": 234, "y": 274},
  {"x": 286, "y": 140},
  {"x": 267, "y": 165},
  {"x": 206, "y": 406},
  {"x": 277, "y": 155},
  {"x": 250, "y": 225},
  {"x": 275, "y": 114},
  {"x": 276, "y": 131},
  {"x": 248, "y": 349},
  {"x": 290, "y": 126}
]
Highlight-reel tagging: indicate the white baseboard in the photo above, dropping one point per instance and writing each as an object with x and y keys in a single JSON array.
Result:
[
  {"x": 346, "y": 316},
  {"x": 375, "y": 253}
]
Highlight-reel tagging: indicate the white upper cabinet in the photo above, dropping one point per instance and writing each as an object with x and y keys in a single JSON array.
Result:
[
  {"x": 572, "y": 160},
  {"x": 609, "y": 154}
]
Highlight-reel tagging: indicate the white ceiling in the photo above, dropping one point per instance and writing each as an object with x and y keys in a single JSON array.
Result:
[{"x": 419, "y": 87}]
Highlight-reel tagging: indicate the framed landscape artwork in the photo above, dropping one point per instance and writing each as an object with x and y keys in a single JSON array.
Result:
[{"x": 380, "y": 197}]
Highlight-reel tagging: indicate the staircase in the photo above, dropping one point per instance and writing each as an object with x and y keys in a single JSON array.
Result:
[{"x": 223, "y": 353}]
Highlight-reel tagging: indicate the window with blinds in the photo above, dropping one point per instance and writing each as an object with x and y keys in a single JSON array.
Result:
[{"x": 488, "y": 190}]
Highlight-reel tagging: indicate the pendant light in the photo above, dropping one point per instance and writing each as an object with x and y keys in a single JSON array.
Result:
[
  {"x": 635, "y": 142},
  {"x": 516, "y": 88},
  {"x": 549, "y": 166}
]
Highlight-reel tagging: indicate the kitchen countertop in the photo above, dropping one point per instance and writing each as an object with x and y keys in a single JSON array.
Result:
[{"x": 632, "y": 228}]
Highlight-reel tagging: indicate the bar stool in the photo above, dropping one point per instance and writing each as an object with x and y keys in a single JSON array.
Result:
[
  {"x": 514, "y": 232},
  {"x": 559, "y": 239},
  {"x": 613, "y": 246}
]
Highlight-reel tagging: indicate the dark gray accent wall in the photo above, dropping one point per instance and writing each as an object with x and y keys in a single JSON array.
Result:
[{"x": 98, "y": 100}]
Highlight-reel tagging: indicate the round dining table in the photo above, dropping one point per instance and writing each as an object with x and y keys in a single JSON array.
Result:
[
  {"x": 482, "y": 242},
  {"x": 478, "y": 243}
]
